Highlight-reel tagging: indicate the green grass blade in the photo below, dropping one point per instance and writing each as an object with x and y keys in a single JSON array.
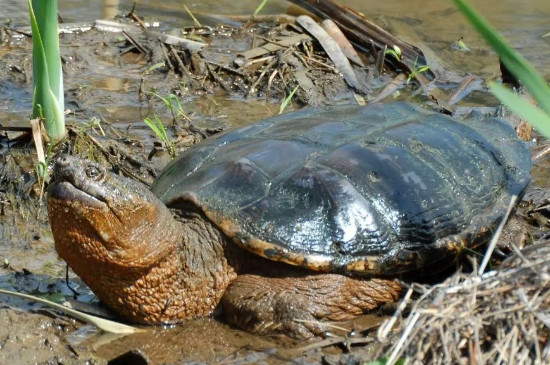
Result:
[
  {"x": 260, "y": 7},
  {"x": 287, "y": 100},
  {"x": 514, "y": 61},
  {"x": 158, "y": 128},
  {"x": 40, "y": 70},
  {"x": 48, "y": 101},
  {"x": 523, "y": 108},
  {"x": 46, "y": 11}
]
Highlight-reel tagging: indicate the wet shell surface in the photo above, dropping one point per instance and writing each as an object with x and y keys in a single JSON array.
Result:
[{"x": 381, "y": 189}]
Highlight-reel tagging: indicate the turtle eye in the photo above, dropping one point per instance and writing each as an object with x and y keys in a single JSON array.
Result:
[{"x": 94, "y": 173}]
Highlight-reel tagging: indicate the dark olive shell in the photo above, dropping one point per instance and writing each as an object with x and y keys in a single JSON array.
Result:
[{"x": 381, "y": 189}]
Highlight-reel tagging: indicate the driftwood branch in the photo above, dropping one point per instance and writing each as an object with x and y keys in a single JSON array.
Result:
[{"x": 364, "y": 34}]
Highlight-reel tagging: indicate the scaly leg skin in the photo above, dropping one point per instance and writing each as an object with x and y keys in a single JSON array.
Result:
[{"x": 296, "y": 306}]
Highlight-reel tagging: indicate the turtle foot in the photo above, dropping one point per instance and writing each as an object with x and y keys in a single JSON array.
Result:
[{"x": 303, "y": 306}]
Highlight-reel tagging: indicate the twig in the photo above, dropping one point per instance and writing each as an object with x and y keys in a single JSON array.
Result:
[
  {"x": 269, "y": 83},
  {"x": 131, "y": 39},
  {"x": 262, "y": 74},
  {"x": 542, "y": 153},
  {"x": 496, "y": 236},
  {"x": 218, "y": 78},
  {"x": 387, "y": 326},
  {"x": 327, "y": 324},
  {"x": 104, "y": 324},
  {"x": 333, "y": 341},
  {"x": 404, "y": 336}
]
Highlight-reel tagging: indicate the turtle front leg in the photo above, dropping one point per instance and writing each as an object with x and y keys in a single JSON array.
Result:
[{"x": 297, "y": 306}]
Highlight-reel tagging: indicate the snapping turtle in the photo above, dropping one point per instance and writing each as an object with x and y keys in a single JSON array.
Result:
[{"x": 291, "y": 220}]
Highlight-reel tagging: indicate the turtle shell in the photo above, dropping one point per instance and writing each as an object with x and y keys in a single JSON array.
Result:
[{"x": 381, "y": 189}]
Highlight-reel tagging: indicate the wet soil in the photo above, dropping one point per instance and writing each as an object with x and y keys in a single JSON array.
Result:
[{"x": 109, "y": 77}]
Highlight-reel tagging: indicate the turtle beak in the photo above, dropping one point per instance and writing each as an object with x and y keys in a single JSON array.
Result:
[{"x": 84, "y": 176}]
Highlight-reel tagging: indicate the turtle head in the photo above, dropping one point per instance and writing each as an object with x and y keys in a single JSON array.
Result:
[{"x": 102, "y": 221}]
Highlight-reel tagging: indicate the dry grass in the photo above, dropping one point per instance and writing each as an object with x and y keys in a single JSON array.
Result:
[{"x": 500, "y": 317}]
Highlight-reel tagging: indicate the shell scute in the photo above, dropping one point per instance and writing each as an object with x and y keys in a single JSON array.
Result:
[{"x": 379, "y": 189}]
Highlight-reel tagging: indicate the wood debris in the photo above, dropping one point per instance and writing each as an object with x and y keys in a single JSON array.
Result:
[{"x": 502, "y": 316}]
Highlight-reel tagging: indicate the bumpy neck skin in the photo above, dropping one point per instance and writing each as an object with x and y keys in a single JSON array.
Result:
[
  {"x": 129, "y": 248},
  {"x": 188, "y": 283}
]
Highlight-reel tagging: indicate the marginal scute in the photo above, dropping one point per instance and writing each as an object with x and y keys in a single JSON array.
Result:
[{"x": 374, "y": 190}]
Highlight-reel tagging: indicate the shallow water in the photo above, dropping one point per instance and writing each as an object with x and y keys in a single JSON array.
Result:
[{"x": 433, "y": 22}]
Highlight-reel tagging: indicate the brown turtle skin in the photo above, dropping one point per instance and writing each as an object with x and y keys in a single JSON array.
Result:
[
  {"x": 152, "y": 265},
  {"x": 180, "y": 257}
]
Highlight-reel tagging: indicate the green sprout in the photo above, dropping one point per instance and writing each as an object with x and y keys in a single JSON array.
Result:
[
  {"x": 154, "y": 67},
  {"x": 287, "y": 100},
  {"x": 461, "y": 45},
  {"x": 395, "y": 52},
  {"x": 41, "y": 169},
  {"x": 95, "y": 122},
  {"x": 156, "y": 126},
  {"x": 173, "y": 104},
  {"x": 48, "y": 100},
  {"x": 520, "y": 68},
  {"x": 260, "y": 7},
  {"x": 417, "y": 70},
  {"x": 195, "y": 20}
]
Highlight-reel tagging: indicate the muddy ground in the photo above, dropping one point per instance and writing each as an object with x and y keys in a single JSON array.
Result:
[{"x": 110, "y": 78}]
